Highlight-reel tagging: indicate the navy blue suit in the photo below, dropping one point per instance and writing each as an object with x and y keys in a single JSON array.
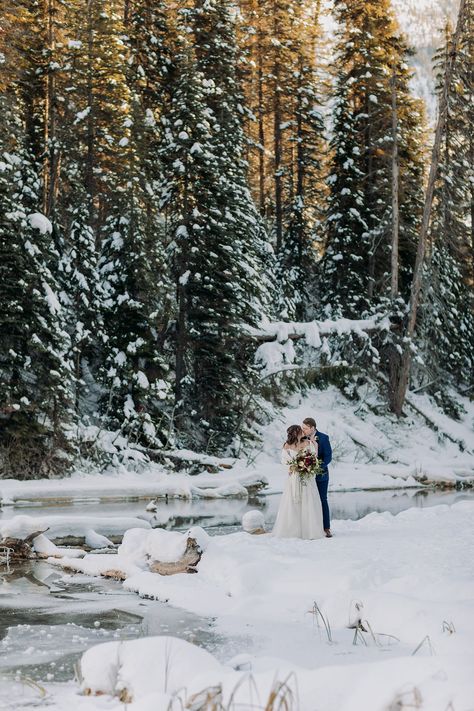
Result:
[{"x": 322, "y": 480}]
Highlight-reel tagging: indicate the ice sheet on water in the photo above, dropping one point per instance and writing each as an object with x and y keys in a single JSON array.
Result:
[{"x": 30, "y": 645}]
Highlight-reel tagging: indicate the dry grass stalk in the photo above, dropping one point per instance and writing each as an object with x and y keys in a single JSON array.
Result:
[
  {"x": 425, "y": 641},
  {"x": 411, "y": 699},
  {"x": 317, "y": 615}
]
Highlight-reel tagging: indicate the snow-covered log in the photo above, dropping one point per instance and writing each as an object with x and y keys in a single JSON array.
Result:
[
  {"x": 312, "y": 331},
  {"x": 187, "y": 455},
  {"x": 156, "y": 551},
  {"x": 89, "y": 532},
  {"x": 18, "y": 535},
  {"x": 185, "y": 564},
  {"x": 20, "y": 548}
]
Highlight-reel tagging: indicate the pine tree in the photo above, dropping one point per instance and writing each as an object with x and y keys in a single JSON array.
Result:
[
  {"x": 446, "y": 325},
  {"x": 35, "y": 373},
  {"x": 216, "y": 237},
  {"x": 357, "y": 264},
  {"x": 454, "y": 195},
  {"x": 133, "y": 267},
  {"x": 447, "y": 322},
  {"x": 304, "y": 209},
  {"x": 280, "y": 62}
]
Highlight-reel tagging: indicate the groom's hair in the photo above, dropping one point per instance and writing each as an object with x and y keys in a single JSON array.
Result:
[{"x": 310, "y": 422}]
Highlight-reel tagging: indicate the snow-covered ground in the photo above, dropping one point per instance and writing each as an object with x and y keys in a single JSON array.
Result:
[
  {"x": 411, "y": 574},
  {"x": 370, "y": 451},
  {"x": 408, "y": 579}
]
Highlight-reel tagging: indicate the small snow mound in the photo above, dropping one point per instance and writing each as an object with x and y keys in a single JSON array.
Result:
[
  {"x": 96, "y": 541},
  {"x": 129, "y": 669},
  {"x": 200, "y": 536},
  {"x": 40, "y": 222},
  {"x": 253, "y": 521}
]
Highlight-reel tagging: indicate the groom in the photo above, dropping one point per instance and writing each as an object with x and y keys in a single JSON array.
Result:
[{"x": 324, "y": 456}]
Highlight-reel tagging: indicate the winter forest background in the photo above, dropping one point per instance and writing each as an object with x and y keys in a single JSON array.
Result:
[{"x": 198, "y": 199}]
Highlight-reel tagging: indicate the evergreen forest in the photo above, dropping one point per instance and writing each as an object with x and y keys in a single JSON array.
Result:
[{"x": 206, "y": 205}]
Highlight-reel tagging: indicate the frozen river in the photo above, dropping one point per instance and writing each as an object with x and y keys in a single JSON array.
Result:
[{"x": 47, "y": 619}]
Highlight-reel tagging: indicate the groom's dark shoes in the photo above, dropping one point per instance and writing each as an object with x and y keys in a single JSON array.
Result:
[{"x": 328, "y": 533}]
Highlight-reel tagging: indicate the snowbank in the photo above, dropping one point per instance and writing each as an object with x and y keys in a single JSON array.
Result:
[
  {"x": 406, "y": 579},
  {"x": 169, "y": 673},
  {"x": 154, "y": 483},
  {"x": 372, "y": 449}
]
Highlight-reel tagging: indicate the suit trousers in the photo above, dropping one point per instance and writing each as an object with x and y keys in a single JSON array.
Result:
[{"x": 322, "y": 484}]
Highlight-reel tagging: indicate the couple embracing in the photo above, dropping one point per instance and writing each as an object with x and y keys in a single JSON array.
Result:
[{"x": 304, "y": 510}]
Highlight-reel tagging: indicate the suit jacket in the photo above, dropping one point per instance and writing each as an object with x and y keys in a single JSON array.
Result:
[{"x": 324, "y": 453}]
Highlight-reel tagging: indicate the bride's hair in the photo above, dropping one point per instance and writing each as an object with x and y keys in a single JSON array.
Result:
[{"x": 293, "y": 434}]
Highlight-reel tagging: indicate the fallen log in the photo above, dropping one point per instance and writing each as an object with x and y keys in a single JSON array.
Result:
[
  {"x": 195, "y": 461},
  {"x": 20, "y": 548},
  {"x": 312, "y": 331},
  {"x": 186, "y": 564}
]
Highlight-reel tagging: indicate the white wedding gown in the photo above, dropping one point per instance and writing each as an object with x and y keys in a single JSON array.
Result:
[{"x": 300, "y": 514}]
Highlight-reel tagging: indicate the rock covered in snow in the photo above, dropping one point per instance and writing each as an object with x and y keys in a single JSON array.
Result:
[{"x": 253, "y": 522}]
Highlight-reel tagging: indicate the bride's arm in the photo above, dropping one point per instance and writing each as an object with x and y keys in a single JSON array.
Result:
[{"x": 285, "y": 456}]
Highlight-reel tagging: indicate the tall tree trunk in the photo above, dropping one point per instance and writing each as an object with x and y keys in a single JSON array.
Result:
[
  {"x": 399, "y": 389},
  {"x": 393, "y": 354},
  {"x": 368, "y": 195},
  {"x": 182, "y": 302},
  {"x": 299, "y": 198},
  {"x": 471, "y": 137},
  {"x": 90, "y": 157},
  {"x": 126, "y": 12},
  {"x": 51, "y": 157},
  {"x": 277, "y": 139},
  {"x": 261, "y": 127},
  {"x": 395, "y": 205}
]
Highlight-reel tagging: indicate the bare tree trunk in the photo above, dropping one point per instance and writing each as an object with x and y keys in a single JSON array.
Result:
[
  {"x": 261, "y": 128},
  {"x": 90, "y": 157},
  {"x": 51, "y": 163},
  {"x": 471, "y": 141},
  {"x": 126, "y": 12},
  {"x": 393, "y": 354},
  {"x": 369, "y": 197},
  {"x": 395, "y": 178},
  {"x": 399, "y": 391},
  {"x": 277, "y": 140},
  {"x": 182, "y": 301}
]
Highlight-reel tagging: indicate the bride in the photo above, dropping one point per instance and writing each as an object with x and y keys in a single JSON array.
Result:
[{"x": 300, "y": 514}]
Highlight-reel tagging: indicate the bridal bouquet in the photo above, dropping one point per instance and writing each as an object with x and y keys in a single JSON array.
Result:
[{"x": 305, "y": 465}]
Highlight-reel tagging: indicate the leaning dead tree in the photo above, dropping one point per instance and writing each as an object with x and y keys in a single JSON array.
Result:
[{"x": 400, "y": 376}]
